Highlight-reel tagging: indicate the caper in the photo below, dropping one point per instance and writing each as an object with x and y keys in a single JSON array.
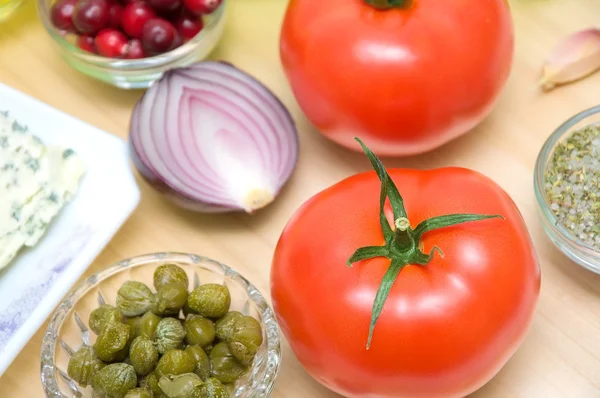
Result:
[
  {"x": 199, "y": 330},
  {"x": 112, "y": 343},
  {"x": 147, "y": 324},
  {"x": 246, "y": 339},
  {"x": 139, "y": 393},
  {"x": 224, "y": 326},
  {"x": 134, "y": 325},
  {"x": 134, "y": 298},
  {"x": 169, "y": 299},
  {"x": 213, "y": 388},
  {"x": 180, "y": 386},
  {"x": 201, "y": 360},
  {"x": 210, "y": 300},
  {"x": 169, "y": 334},
  {"x": 223, "y": 364},
  {"x": 170, "y": 273},
  {"x": 100, "y": 315},
  {"x": 151, "y": 382},
  {"x": 83, "y": 365},
  {"x": 143, "y": 355},
  {"x": 175, "y": 362},
  {"x": 115, "y": 380}
]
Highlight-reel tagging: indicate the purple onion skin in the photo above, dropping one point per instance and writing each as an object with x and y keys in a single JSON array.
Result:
[{"x": 171, "y": 194}]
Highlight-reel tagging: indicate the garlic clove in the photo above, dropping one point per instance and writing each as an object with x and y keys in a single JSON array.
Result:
[{"x": 577, "y": 56}]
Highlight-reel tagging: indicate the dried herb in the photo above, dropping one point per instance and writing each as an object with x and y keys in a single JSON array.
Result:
[{"x": 572, "y": 184}]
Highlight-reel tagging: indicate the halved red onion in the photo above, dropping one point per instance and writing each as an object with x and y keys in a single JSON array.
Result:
[{"x": 213, "y": 138}]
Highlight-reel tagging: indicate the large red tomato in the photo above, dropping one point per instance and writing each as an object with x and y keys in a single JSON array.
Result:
[
  {"x": 449, "y": 322},
  {"x": 406, "y": 79}
]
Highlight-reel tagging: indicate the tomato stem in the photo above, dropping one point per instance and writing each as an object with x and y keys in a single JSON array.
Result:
[
  {"x": 387, "y": 4},
  {"x": 402, "y": 243},
  {"x": 403, "y": 237}
]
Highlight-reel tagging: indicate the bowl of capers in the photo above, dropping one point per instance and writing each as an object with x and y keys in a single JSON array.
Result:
[{"x": 163, "y": 325}]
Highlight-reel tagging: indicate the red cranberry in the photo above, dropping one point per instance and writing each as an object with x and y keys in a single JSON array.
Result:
[
  {"x": 116, "y": 13},
  {"x": 90, "y": 16},
  {"x": 164, "y": 5},
  {"x": 135, "y": 49},
  {"x": 135, "y": 16},
  {"x": 188, "y": 26},
  {"x": 61, "y": 14},
  {"x": 86, "y": 43},
  {"x": 199, "y": 7},
  {"x": 159, "y": 36},
  {"x": 111, "y": 43}
]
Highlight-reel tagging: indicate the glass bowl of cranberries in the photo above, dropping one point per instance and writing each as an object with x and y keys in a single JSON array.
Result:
[{"x": 131, "y": 43}]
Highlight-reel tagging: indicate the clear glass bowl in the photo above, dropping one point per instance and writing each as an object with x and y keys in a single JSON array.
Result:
[
  {"x": 577, "y": 251},
  {"x": 136, "y": 73},
  {"x": 67, "y": 330}
]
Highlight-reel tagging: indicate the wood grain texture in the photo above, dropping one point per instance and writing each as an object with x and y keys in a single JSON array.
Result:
[{"x": 561, "y": 356}]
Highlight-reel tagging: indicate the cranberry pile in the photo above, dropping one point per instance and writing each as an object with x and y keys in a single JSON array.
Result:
[{"x": 131, "y": 28}]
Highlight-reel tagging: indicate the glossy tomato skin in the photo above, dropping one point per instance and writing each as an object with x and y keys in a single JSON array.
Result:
[
  {"x": 446, "y": 328},
  {"x": 404, "y": 80}
]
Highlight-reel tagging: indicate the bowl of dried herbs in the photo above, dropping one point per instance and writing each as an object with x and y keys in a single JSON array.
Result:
[{"x": 567, "y": 188}]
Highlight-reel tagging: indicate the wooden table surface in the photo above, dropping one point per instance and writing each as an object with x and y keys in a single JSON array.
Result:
[{"x": 561, "y": 356}]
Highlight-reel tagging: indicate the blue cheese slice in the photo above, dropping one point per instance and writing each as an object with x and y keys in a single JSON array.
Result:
[{"x": 36, "y": 181}]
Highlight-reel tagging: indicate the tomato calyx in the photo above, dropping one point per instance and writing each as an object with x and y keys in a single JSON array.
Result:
[
  {"x": 387, "y": 4},
  {"x": 401, "y": 244}
]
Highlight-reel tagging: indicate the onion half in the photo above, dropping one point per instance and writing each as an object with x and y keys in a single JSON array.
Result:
[{"x": 213, "y": 138}]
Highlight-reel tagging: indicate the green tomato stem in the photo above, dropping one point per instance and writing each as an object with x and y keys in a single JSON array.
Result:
[
  {"x": 401, "y": 243},
  {"x": 387, "y": 4}
]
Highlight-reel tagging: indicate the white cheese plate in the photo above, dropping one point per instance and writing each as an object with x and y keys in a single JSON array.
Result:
[{"x": 34, "y": 283}]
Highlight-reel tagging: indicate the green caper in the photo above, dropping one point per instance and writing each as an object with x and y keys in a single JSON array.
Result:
[
  {"x": 169, "y": 334},
  {"x": 134, "y": 298},
  {"x": 246, "y": 339},
  {"x": 147, "y": 324},
  {"x": 201, "y": 360},
  {"x": 100, "y": 315},
  {"x": 180, "y": 386},
  {"x": 169, "y": 299},
  {"x": 170, "y": 273},
  {"x": 213, "y": 388},
  {"x": 223, "y": 364},
  {"x": 224, "y": 326},
  {"x": 143, "y": 355},
  {"x": 175, "y": 362},
  {"x": 112, "y": 342},
  {"x": 139, "y": 393},
  {"x": 83, "y": 365},
  {"x": 115, "y": 380},
  {"x": 210, "y": 300},
  {"x": 199, "y": 330},
  {"x": 134, "y": 325},
  {"x": 151, "y": 382}
]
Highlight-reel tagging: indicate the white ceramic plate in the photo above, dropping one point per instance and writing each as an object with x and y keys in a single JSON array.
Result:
[{"x": 37, "y": 279}]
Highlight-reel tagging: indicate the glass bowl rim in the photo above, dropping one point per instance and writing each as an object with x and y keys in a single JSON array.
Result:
[
  {"x": 540, "y": 165},
  {"x": 50, "y": 339},
  {"x": 164, "y": 59}
]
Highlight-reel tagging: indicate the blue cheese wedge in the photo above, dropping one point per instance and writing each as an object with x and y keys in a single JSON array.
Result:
[{"x": 36, "y": 181}]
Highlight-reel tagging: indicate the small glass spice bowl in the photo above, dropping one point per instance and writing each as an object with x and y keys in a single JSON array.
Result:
[
  {"x": 561, "y": 236},
  {"x": 68, "y": 331},
  {"x": 135, "y": 73}
]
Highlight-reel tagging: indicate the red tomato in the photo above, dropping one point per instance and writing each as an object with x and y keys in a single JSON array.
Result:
[
  {"x": 446, "y": 328},
  {"x": 407, "y": 79}
]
